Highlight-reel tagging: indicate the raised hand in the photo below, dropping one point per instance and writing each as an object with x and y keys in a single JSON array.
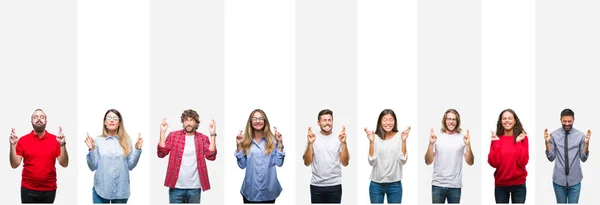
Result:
[
  {"x": 467, "y": 138},
  {"x": 140, "y": 141},
  {"x": 212, "y": 127},
  {"x": 432, "y": 137},
  {"x": 370, "y": 134},
  {"x": 60, "y": 137},
  {"x": 239, "y": 138},
  {"x": 547, "y": 136},
  {"x": 494, "y": 137},
  {"x": 13, "y": 139},
  {"x": 164, "y": 125},
  {"x": 404, "y": 134},
  {"x": 521, "y": 136},
  {"x": 588, "y": 135},
  {"x": 90, "y": 142},
  {"x": 342, "y": 135},
  {"x": 277, "y": 134},
  {"x": 311, "y": 136}
]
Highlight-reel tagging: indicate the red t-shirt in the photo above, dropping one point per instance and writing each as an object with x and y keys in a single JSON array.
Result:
[
  {"x": 509, "y": 158},
  {"x": 39, "y": 159}
]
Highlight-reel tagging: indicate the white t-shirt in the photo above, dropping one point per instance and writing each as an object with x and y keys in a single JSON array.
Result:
[
  {"x": 387, "y": 159},
  {"x": 448, "y": 155},
  {"x": 326, "y": 166},
  {"x": 188, "y": 171}
]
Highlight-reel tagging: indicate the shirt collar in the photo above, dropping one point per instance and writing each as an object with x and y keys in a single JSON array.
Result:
[
  {"x": 38, "y": 137},
  {"x": 112, "y": 137}
]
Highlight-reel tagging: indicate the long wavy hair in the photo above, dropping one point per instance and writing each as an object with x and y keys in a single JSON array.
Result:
[
  {"x": 124, "y": 139},
  {"x": 517, "y": 128},
  {"x": 457, "y": 129},
  {"x": 267, "y": 134},
  {"x": 380, "y": 131}
]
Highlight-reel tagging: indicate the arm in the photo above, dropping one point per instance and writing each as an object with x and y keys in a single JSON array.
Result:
[
  {"x": 523, "y": 149},
  {"x": 344, "y": 156},
  {"x": 133, "y": 157},
  {"x": 277, "y": 156},
  {"x": 210, "y": 150},
  {"x": 429, "y": 154},
  {"x": 404, "y": 148},
  {"x": 63, "y": 158},
  {"x": 241, "y": 158},
  {"x": 15, "y": 159},
  {"x": 92, "y": 158},
  {"x": 494, "y": 156},
  {"x": 583, "y": 146},
  {"x": 550, "y": 149},
  {"x": 164, "y": 145},
  {"x": 372, "y": 156},
  {"x": 469, "y": 157},
  {"x": 308, "y": 154}
]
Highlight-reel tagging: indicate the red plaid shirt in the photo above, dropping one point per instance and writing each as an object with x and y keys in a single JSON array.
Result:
[{"x": 175, "y": 143}]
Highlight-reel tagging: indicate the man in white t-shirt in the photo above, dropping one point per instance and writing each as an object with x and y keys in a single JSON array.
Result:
[
  {"x": 447, "y": 153},
  {"x": 324, "y": 153}
]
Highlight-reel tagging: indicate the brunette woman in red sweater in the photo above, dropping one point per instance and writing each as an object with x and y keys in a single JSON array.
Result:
[{"x": 509, "y": 153}]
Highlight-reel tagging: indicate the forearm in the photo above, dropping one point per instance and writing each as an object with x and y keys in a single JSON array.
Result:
[
  {"x": 469, "y": 158},
  {"x": 213, "y": 144},
  {"x": 280, "y": 146},
  {"x": 15, "y": 160},
  {"x": 344, "y": 156},
  {"x": 585, "y": 148},
  {"x": 308, "y": 155},
  {"x": 547, "y": 146},
  {"x": 63, "y": 159},
  {"x": 161, "y": 141},
  {"x": 428, "y": 154},
  {"x": 371, "y": 148},
  {"x": 404, "y": 147}
]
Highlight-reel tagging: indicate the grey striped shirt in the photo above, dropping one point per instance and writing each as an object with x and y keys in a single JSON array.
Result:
[{"x": 576, "y": 140}]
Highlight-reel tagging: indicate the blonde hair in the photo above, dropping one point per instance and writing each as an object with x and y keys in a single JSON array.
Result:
[
  {"x": 124, "y": 139},
  {"x": 249, "y": 134}
]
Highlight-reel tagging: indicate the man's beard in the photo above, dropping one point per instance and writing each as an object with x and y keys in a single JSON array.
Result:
[
  {"x": 38, "y": 128},
  {"x": 193, "y": 129}
]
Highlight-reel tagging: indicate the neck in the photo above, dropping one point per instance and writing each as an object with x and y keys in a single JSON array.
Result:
[
  {"x": 450, "y": 132},
  {"x": 258, "y": 134},
  {"x": 325, "y": 132},
  {"x": 190, "y": 133},
  {"x": 389, "y": 135},
  {"x": 40, "y": 134},
  {"x": 112, "y": 133},
  {"x": 508, "y": 132}
]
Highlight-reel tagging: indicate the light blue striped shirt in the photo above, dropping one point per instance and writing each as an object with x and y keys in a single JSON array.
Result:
[
  {"x": 260, "y": 182},
  {"x": 111, "y": 180},
  {"x": 576, "y": 142}
]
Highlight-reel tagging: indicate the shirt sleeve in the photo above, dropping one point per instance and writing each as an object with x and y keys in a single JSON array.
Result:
[
  {"x": 373, "y": 159},
  {"x": 277, "y": 157},
  {"x": 241, "y": 158},
  {"x": 133, "y": 157},
  {"x": 551, "y": 154},
  {"x": 403, "y": 157},
  {"x": 523, "y": 149},
  {"x": 164, "y": 151},
  {"x": 494, "y": 155},
  {"x": 582, "y": 154},
  {"x": 92, "y": 158}
]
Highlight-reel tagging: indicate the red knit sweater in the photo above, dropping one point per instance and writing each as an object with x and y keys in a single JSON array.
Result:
[{"x": 509, "y": 159}]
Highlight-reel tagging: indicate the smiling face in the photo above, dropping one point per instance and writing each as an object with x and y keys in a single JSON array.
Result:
[
  {"x": 567, "y": 122},
  {"x": 388, "y": 122},
  {"x": 38, "y": 121},
  {"x": 111, "y": 122},
  {"x": 190, "y": 125},
  {"x": 451, "y": 121},
  {"x": 325, "y": 123},
  {"x": 508, "y": 121},
  {"x": 258, "y": 121}
]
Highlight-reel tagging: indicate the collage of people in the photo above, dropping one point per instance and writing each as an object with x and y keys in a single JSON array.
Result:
[{"x": 299, "y": 102}]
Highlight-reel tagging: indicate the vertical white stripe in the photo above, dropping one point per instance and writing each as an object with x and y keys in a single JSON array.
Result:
[
  {"x": 114, "y": 57},
  {"x": 259, "y": 73},
  {"x": 387, "y": 78},
  {"x": 508, "y": 78}
]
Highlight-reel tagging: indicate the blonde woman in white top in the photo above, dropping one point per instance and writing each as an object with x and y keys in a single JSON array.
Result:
[{"x": 387, "y": 154}]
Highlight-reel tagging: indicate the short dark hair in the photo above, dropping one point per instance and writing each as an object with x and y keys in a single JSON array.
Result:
[
  {"x": 325, "y": 112},
  {"x": 567, "y": 112}
]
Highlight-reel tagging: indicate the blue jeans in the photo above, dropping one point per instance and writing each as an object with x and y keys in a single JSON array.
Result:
[
  {"x": 440, "y": 194},
  {"x": 377, "y": 191},
  {"x": 184, "y": 196},
  {"x": 99, "y": 200},
  {"x": 567, "y": 194},
  {"x": 326, "y": 194},
  {"x": 516, "y": 193}
]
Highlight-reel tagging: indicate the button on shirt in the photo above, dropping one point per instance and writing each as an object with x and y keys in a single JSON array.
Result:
[
  {"x": 575, "y": 146},
  {"x": 111, "y": 180},
  {"x": 260, "y": 182}
]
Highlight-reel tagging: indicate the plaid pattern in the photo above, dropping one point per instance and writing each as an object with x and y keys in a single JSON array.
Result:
[{"x": 174, "y": 144}]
